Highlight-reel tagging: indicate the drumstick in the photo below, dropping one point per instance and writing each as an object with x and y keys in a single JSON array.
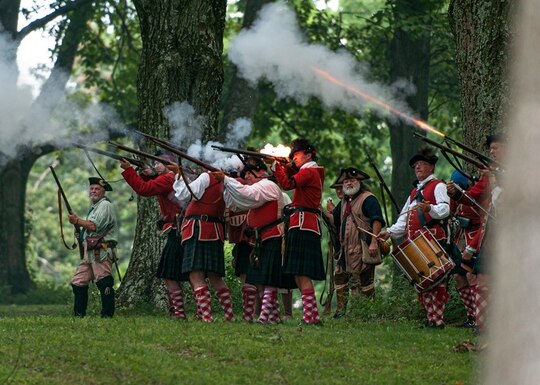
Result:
[{"x": 413, "y": 209}]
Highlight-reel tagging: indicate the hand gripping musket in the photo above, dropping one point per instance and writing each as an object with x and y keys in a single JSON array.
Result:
[
  {"x": 136, "y": 162},
  {"x": 68, "y": 207}
]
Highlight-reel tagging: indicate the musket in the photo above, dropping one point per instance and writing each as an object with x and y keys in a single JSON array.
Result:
[
  {"x": 458, "y": 154},
  {"x": 248, "y": 153},
  {"x": 487, "y": 161},
  {"x": 383, "y": 184},
  {"x": 176, "y": 151},
  {"x": 140, "y": 153},
  {"x": 136, "y": 162},
  {"x": 156, "y": 139},
  {"x": 473, "y": 201},
  {"x": 68, "y": 207}
]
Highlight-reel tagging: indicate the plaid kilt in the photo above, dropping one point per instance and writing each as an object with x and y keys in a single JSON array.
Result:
[
  {"x": 170, "y": 263},
  {"x": 241, "y": 253},
  {"x": 207, "y": 256},
  {"x": 269, "y": 271},
  {"x": 303, "y": 254}
]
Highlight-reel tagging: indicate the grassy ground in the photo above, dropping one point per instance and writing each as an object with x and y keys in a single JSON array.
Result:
[{"x": 42, "y": 344}]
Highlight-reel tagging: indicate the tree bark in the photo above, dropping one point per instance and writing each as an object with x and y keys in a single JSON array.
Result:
[
  {"x": 481, "y": 30},
  {"x": 14, "y": 172},
  {"x": 181, "y": 60},
  {"x": 241, "y": 98},
  {"x": 409, "y": 60}
]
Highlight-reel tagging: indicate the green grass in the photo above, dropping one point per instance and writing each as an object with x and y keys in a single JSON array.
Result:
[{"x": 54, "y": 348}]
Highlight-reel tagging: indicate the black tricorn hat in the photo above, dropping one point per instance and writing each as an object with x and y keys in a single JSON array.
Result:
[
  {"x": 302, "y": 145},
  {"x": 427, "y": 154},
  {"x": 95, "y": 180},
  {"x": 351, "y": 173},
  {"x": 254, "y": 165}
]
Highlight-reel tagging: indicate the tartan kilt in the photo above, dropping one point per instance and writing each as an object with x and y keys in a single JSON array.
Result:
[
  {"x": 170, "y": 263},
  {"x": 241, "y": 253},
  {"x": 269, "y": 271},
  {"x": 207, "y": 256},
  {"x": 303, "y": 254}
]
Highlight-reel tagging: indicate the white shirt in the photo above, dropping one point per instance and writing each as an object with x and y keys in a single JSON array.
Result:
[
  {"x": 198, "y": 186},
  {"x": 242, "y": 197},
  {"x": 439, "y": 210}
]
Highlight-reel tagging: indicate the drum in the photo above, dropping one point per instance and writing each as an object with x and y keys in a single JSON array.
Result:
[{"x": 423, "y": 261}]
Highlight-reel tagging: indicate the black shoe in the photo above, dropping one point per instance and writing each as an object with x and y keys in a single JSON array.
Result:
[{"x": 470, "y": 323}]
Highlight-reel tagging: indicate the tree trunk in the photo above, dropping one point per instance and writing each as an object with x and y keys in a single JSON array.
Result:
[
  {"x": 181, "y": 61},
  {"x": 14, "y": 172},
  {"x": 409, "y": 59},
  {"x": 481, "y": 31},
  {"x": 241, "y": 98}
]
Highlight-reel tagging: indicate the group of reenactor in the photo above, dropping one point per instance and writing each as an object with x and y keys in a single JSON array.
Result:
[{"x": 277, "y": 240}]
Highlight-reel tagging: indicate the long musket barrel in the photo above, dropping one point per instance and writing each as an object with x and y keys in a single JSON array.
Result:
[
  {"x": 140, "y": 153},
  {"x": 466, "y": 158},
  {"x": 176, "y": 151},
  {"x": 156, "y": 139},
  {"x": 481, "y": 157},
  {"x": 248, "y": 153},
  {"x": 112, "y": 155},
  {"x": 68, "y": 207}
]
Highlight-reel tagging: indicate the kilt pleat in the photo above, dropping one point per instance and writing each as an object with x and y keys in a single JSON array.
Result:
[
  {"x": 303, "y": 254},
  {"x": 170, "y": 263},
  {"x": 269, "y": 271},
  {"x": 241, "y": 253},
  {"x": 207, "y": 256}
]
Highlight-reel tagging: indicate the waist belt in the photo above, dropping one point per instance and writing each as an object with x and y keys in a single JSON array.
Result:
[
  {"x": 206, "y": 218},
  {"x": 257, "y": 231},
  {"x": 290, "y": 210}
]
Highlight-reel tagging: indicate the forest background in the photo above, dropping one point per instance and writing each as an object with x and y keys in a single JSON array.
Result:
[{"x": 411, "y": 49}]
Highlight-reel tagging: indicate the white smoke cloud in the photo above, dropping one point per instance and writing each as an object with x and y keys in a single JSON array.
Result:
[
  {"x": 275, "y": 49},
  {"x": 186, "y": 125},
  {"x": 238, "y": 131},
  {"x": 26, "y": 122}
]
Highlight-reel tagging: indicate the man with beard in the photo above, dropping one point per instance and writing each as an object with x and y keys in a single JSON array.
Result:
[
  {"x": 427, "y": 207},
  {"x": 361, "y": 214},
  {"x": 98, "y": 256}
]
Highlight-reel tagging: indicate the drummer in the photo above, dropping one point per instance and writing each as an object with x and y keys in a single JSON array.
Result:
[{"x": 427, "y": 207}]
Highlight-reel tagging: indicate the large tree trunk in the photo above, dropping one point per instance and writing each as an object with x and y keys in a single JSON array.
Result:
[
  {"x": 14, "y": 173},
  {"x": 241, "y": 98},
  {"x": 181, "y": 61},
  {"x": 481, "y": 32},
  {"x": 409, "y": 59}
]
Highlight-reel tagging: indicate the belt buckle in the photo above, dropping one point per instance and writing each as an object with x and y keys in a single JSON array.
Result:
[{"x": 204, "y": 218}]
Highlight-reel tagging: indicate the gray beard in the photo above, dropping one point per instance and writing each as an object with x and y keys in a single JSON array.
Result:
[{"x": 351, "y": 191}]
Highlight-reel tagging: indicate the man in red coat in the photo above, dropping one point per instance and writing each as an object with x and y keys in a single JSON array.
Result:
[
  {"x": 158, "y": 181},
  {"x": 303, "y": 255},
  {"x": 203, "y": 234}
]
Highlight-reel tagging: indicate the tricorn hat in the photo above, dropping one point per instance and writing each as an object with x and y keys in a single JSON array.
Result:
[
  {"x": 255, "y": 165},
  {"x": 352, "y": 173},
  {"x": 302, "y": 145},
  {"x": 427, "y": 154},
  {"x": 95, "y": 180}
]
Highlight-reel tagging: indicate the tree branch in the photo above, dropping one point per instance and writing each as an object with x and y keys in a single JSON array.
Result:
[{"x": 39, "y": 23}]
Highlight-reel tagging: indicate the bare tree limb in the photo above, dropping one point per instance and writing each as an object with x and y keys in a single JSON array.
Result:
[{"x": 40, "y": 23}]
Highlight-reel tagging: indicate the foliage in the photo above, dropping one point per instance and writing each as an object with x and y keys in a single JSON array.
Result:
[{"x": 144, "y": 349}]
